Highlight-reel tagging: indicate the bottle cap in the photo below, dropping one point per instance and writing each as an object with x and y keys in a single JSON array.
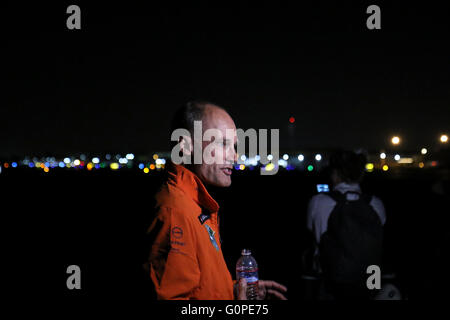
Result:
[{"x": 246, "y": 252}]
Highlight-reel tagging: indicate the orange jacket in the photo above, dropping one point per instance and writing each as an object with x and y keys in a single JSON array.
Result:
[{"x": 186, "y": 260}]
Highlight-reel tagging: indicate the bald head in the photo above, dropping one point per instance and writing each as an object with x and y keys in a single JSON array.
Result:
[{"x": 212, "y": 117}]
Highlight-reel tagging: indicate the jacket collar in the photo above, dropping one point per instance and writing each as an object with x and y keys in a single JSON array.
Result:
[{"x": 192, "y": 186}]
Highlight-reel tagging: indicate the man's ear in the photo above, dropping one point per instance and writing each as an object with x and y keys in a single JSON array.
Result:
[{"x": 186, "y": 146}]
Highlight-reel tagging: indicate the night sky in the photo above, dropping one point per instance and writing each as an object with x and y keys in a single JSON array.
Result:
[{"x": 113, "y": 85}]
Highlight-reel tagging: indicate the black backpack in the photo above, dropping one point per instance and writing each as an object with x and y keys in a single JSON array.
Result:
[{"x": 353, "y": 241}]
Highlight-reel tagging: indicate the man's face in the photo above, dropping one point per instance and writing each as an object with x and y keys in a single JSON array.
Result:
[{"x": 218, "y": 174}]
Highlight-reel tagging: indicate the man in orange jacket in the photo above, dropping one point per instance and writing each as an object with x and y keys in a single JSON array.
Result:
[{"x": 186, "y": 260}]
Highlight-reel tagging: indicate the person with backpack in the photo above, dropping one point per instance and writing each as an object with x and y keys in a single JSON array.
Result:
[{"x": 348, "y": 229}]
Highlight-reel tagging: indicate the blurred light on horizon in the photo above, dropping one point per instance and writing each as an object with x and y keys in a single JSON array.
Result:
[
  {"x": 270, "y": 157},
  {"x": 385, "y": 167},
  {"x": 397, "y": 157},
  {"x": 95, "y": 160},
  {"x": 310, "y": 168},
  {"x": 318, "y": 157},
  {"x": 243, "y": 157},
  {"x": 76, "y": 162},
  {"x": 146, "y": 170},
  {"x": 301, "y": 157},
  {"x": 282, "y": 163},
  {"x": 285, "y": 156},
  {"x": 66, "y": 160},
  {"x": 395, "y": 140},
  {"x": 114, "y": 166},
  {"x": 406, "y": 160},
  {"x": 421, "y": 165},
  {"x": 382, "y": 155},
  {"x": 369, "y": 167},
  {"x": 424, "y": 151},
  {"x": 291, "y": 119},
  {"x": 129, "y": 156},
  {"x": 444, "y": 138},
  {"x": 155, "y": 156}
]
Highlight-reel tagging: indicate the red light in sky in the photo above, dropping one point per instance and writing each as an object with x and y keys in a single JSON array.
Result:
[{"x": 291, "y": 119}]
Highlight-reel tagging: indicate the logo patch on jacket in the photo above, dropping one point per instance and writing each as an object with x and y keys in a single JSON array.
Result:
[
  {"x": 203, "y": 217},
  {"x": 211, "y": 236}
]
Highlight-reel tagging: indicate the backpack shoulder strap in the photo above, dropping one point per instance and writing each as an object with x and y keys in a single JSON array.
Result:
[
  {"x": 336, "y": 196},
  {"x": 367, "y": 198}
]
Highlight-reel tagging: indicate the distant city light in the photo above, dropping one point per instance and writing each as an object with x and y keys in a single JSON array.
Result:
[
  {"x": 269, "y": 167},
  {"x": 76, "y": 162},
  {"x": 397, "y": 157},
  {"x": 291, "y": 119},
  {"x": 152, "y": 167},
  {"x": 14, "y": 164},
  {"x": 95, "y": 160},
  {"x": 159, "y": 161},
  {"x": 61, "y": 164},
  {"x": 285, "y": 156},
  {"x": 282, "y": 163},
  {"x": 146, "y": 170},
  {"x": 385, "y": 167},
  {"x": 310, "y": 168},
  {"x": 382, "y": 155},
  {"x": 241, "y": 167},
  {"x": 83, "y": 157},
  {"x": 243, "y": 157},
  {"x": 66, "y": 160},
  {"x": 421, "y": 165},
  {"x": 129, "y": 156},
  {"x": 123, "y": 160},
  {"x": 114, "y": 166},
  {"x": 424, "y": 151},
  {"x": 46, "y": 169},
  {"x": 444, "y": 138},
  {"x": 108, "y": 156},
  {"x": 369, "y": 167},
  {"x": 270, "y": 157},
  {"x": 89, "y": 166},
  {"x": 301, "y": 157},
  {"x": 257, "y": 157},
  {"x": 395, "y": 140},
  {"x": 141, "y": 166},
  {"x": 155, "y": 156},
  {"x": 318, "y": 157},
  {"x": 406, "y": 160}
]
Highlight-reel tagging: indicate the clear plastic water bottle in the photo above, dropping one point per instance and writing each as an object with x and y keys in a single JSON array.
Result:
[{"x": 247, "y": 268}]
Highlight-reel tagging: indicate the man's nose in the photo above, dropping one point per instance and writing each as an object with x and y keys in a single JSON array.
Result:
[{"x": 232, "y": 156}]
